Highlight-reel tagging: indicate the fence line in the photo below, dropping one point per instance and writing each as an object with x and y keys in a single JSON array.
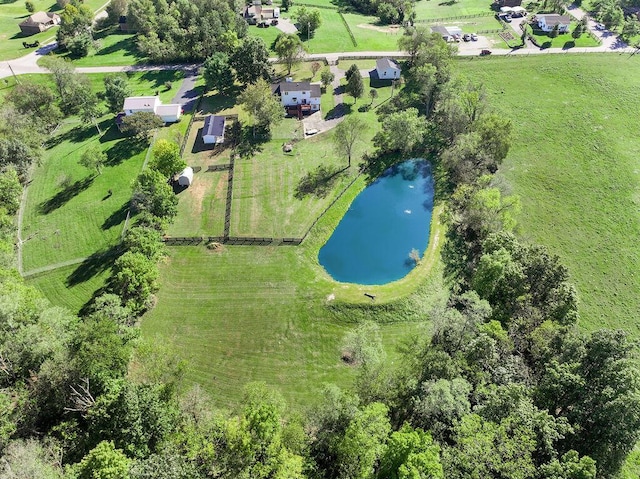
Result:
[
  {"x": 344, "y": 20},
  {"x": 326, "y": 7},
  {"x": 193, "y": 117},
  {"x": 459, "y": 17},
  {"x": 231, "y": 240}
]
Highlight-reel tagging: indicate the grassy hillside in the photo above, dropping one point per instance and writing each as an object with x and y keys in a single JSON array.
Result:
[{"x": 574, "y": 161}]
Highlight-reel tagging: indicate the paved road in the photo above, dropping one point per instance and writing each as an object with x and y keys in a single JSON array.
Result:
[{"x": 187, "y": 95}]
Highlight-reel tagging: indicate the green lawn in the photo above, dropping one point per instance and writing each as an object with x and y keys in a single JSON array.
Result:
[
  {"x": 564, "y": 40},
  {"x": 69, "y": 213},
  {"x": 14, "y": 12},
  {"x": 427, "y": 9},
  {"x": 114, "y": 48},
  {"x": 574, "y": 163}
]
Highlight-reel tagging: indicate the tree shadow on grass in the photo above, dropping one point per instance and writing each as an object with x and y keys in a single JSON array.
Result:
[
  {"x": 123, "y": 150},
  {"x": 95, "y": 264},
  {"x": 62, "y": 197},
  {"x": 78, "y": 134},
  {"x": 318, "y": 182},
  {"x": 116, "y": 217},
  {"x": 246, "y": 144},
  {"x": 157, "y": 78}
]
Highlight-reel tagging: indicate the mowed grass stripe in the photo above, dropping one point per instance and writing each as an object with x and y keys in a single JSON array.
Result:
[{"x": 574, "y": 163}]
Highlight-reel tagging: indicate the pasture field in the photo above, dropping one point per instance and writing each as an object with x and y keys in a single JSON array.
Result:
[
  {"x": 14, "y": 12},
  {"x": 574, "y": 163},
  {"x": 427, "y": 9}
]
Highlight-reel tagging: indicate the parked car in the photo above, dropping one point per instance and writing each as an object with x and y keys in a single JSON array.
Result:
[
  {"x": 466, "y": 37},
  {"x": 263, "y": 25},
  {"x": 600, "y": 26},
  {"x": 457, "y": 38},
  {"x": 474, "y": 37},
  {"x": 485, "y": 52},
  {"x": 274, "y": 22}
]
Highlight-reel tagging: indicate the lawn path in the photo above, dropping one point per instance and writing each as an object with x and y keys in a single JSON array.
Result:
[{"x": 51, "y": 267}]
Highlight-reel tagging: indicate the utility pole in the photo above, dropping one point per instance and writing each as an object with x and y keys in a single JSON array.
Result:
[{"x": 13, "y": 73}]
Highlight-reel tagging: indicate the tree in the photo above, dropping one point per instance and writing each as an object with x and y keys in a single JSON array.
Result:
[
  {"x": 115, "y": 10},
  {"x": 79, "y": 45},
  {"x": 135, "y": 279},
  {"x": 373, "y": 94},
  {"x": 217, "y": 72},
  {"x": 352, "y": 70},
  {"x": 364, "y": 441},
  {"x": 631, "y": 28},
  {"x": 93, "y": 158},
  {"x": 103, "y": 462},
  {"x": 166, "y": 158},
  {"x": 63, "y": 75},
  {"x": 609, "y": 13},
  {"x": 26, "y": 459},
  {"x": 555, "y": 31},
  {"x": 347, "y": 134},
  {"x": 152, "y": 193},
  {"x": 580, "y": 28},
  {"x": 10, "y": 191},
  {"x": 570, "y": 466},
  {"x": 141, "y": 123},
  {"x": 251, "y": 61},
  {"x": 326, "y": 77},
  {"x": 308, "y": 21},
  {"x": 411, "y": 453},
  {"x": 75, "y": 19},
  {"x": 289, "y": 49},
  {"x": 36, "y": 101},
  {"x": 315, "y": 68},
  {"x": 29, "y": 6},
  {"x": 401, "y": 131},
  {"x": 388, "y": 13},
  {"x": 286, "y": 4},
  {"x": 355, "y": 86},
  {"x": 116, "y": 89},
  {"x": 259, "y": 102}
]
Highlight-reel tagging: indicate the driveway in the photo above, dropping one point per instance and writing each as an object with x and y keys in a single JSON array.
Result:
[
  {"x": 187, "y": 95},
  {"x": 285, "y": 25}
]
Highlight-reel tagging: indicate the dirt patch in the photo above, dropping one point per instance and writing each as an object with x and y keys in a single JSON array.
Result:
[
  {"x": 197, "y": 191},
  {"x": 388, "y": 29}
]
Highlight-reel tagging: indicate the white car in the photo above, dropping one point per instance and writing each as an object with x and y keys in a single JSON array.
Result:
[{"x": 311, "y": 131}]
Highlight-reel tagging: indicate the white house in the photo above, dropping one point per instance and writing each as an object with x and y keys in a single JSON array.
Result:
[
  {"x": 387, "y": 69},
  {"x": 169, "y": 113},
  {"x": 447, "y": 32},
  {"x": 302, "y": 96},
  {"x": 213, "y": 131},
  {"x": 186, "y": 177},
  {"x": 547, "y": 22}
]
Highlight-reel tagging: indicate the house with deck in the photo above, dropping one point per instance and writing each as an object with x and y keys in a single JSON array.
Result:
[
  {"x": 298, "y": 98},
  {"x": 387, "y": 69}
]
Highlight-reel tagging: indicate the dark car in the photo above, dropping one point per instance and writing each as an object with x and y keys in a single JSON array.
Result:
[
  {"x": 485, "y": 52},
  {"x": 263, "y": 25},
  {"x": 466, "y": 37},
  {"x": 274, "y": 22}
]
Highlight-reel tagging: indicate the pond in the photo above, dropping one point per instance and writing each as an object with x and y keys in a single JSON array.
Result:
[{"x": 387, "y": 220}]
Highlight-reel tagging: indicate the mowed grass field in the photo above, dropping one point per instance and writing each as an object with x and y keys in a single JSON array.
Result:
[
  {"x": 574, "y": 162},
  {"x": 14, "y": 12}
]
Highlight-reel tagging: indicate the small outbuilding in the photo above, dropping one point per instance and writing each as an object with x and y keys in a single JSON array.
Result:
[
  {"x": 185, "y": 178},
  {"x": 39, "y": 22},
  {"x": 169, "y": 113},
  {"x": 213, "y": 131},
  {"x": 387, "y": 69}
]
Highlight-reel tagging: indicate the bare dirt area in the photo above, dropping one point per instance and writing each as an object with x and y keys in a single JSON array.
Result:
[{"x": 388, "y": 29}]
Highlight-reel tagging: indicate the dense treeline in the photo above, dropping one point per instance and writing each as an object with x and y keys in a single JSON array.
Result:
[{"x": 503, "y": 386}]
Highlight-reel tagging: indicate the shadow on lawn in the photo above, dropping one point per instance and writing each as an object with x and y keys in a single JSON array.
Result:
[
  {"x": 62, "y": 197},
  {"x": 318, "y": 182},
  {"x": 78, "y": 134},
  {"x": 116, "y": 217},
  {"x": 95, "y": 264},
  {"x": 123, "y": 150}
]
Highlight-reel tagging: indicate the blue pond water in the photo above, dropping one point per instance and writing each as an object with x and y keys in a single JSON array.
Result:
[{"x": 371, "y": 245}]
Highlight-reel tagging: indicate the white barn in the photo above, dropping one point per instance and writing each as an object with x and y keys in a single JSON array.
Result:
[
  {"x": 213, "y": 131},
  {"x": 169, "y": 113},
  {"x": 387, "y": 69},
  {"x": 186, "y": 177}
]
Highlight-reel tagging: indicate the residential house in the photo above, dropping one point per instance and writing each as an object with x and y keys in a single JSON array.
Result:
[
  {"x": 387, "y": 69},
  {"x": 256, "y": 12},
  {"x": 213, "y": 131},
  {"x": 169, "y": 113},
  {"x": 298, "y": 97},
  {"x": 39, "y": 22},
  {"x": 547, "y": 22}
]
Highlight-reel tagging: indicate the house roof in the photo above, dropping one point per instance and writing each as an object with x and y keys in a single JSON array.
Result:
[
  {"x": 553, "y": 19},
  {"x": 170, "y": 109},
  {"x": 440, "y": 29},
  {"x": 284, "y": 86},
  {"x": 213, "y": 125},
  {"x": 140, "y": 102},
  {"x": 39, "y": 17},
  {"x": 386, "y": 63}
]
